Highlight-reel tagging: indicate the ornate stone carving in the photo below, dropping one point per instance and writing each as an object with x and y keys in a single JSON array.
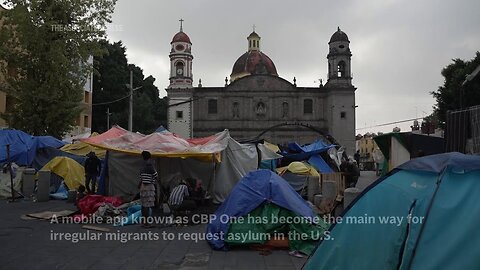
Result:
[{"x": 260, "y": 109}]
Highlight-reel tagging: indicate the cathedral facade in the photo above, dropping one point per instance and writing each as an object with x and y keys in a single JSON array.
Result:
[{"x": 257, "y": 102}]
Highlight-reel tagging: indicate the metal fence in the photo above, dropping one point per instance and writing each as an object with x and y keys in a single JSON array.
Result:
[{"x": 462, "y": 131}]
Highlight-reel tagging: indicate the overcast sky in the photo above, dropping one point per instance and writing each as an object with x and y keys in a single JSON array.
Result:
[{"x": 398, "y": 47}]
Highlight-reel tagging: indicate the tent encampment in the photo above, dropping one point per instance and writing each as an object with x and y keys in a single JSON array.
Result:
[
  {"x": 23, "y": 146},
  {"x": 82, "y": 149},
  {"x": 160, "y": 144},
  {"x": 218, "y": 160},
  {"x": 422, "y": 215},
  {"x": 264, "y": 196}
]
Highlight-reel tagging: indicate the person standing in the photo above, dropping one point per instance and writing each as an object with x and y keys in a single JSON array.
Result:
[
  {"x": 148, "y": 176},
  {"x": 356, "y": 156},
  {"x": 93, "y": 166}
]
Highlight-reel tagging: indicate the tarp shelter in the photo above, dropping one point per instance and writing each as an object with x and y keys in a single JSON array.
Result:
[
  {"x": 161, "y": 129},
  {"x": 72, "y": 172},
  {"x": 312, "y": 153},
  {"x": 430, "y": 212},
  {"x": 319, "y": 163},
  {"x": 256, "y": 189},
  {"x": 219, "y": 178},
  {"x": 297, "y": 167},
  {"x": 72, "y": 139},
  {"x": 82, "y": 149},
  {"x": 5, "y": 181},
  {"x": 160, "y": 144},
  {"x": 297, "y": 174},
  {"x": 23, "y": 146},
  {"x": 398, "y": 148},
  {"x": 297, "y": 152},
  {"x": 177, "y": 155},
  {"x": 46, "y": 154}
]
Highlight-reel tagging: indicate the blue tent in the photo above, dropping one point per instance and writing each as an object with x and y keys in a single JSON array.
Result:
[
  {"x": 306, "y": 151},
  {"x": 23, "y": 146},
  {"x": 423, "y": 215},
  {"x": 44, "y": 155},
  {"x": 162, "y": 129},
  {"x": 320, "y": 164},
  {"x": 250, "y": 192}
]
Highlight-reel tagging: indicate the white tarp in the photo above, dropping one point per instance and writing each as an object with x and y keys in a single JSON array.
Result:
[
  {"x": 398, "y": 153},
  {"x": 5, "y": 181},
  {"x": 160, "y": 144},
  {"x": 218, "y": 178}
]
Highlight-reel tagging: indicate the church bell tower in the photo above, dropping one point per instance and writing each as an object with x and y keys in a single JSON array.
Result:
[
  {"x": 181, "y": 58},
  {"x": 180, "y": 90},
  {"x": 339, "y": 59},
  {"x": 341, "y": 98}
]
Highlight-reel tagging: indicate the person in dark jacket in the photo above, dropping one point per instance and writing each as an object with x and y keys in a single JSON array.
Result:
[
  {"x": 93, "y": 165},
  {"x": 356, "y": 156},
  {"x": 351, "y": 171}
]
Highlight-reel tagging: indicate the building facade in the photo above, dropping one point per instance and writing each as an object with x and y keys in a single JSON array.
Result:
[
  {"x": 257, "y": 102},
  {"x": 366, "y": 146},
  {"x": 83, "y": 124}
]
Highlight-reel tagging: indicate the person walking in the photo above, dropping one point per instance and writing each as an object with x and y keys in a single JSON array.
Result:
[{"x": 93, "y": 166}]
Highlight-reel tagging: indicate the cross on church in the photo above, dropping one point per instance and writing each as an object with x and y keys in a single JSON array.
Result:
[
  {"x": 181, "y": 25},
  {"x": 253, "y": 26}
]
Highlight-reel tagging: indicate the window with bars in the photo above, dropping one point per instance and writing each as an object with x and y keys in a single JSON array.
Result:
[{"x": 307, "y": 106}]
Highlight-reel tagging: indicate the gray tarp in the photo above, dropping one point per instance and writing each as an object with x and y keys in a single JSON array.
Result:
[
  {"x": 237, "y": 160},
  {"x": 123, "y": 174},
  {"x": 5, "y": 181}
]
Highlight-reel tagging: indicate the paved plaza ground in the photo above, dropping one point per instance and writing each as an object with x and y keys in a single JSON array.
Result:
[{"x": 28, "y": 244}]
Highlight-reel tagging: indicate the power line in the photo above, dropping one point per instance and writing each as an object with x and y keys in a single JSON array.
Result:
[
  {"x": 391, "y": 123},
  {"x": 113, "y": 101},
  {"x": 183, "y": 102},
  {"x": 79, "y": 103},
  {"x": 116, "y": 100}
]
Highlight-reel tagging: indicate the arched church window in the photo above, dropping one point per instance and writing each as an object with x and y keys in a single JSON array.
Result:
[
  {"x": 212, "y": 106},
  {"x": 179, "y": 68},
  {"x": 236, "y": 110},
  {"x": 285, "y": 109},
  {"x": 307, "y": 106},
  {"x": 341, "y": 69},
  {"x": 260, "y": 109}
]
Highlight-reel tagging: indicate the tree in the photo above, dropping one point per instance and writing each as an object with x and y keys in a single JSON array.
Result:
[
  {"x": 109, "y": 85},
  {"x": 45, "y": 49},
  {"x": 149, "y": 110},
  {"x": 453, "y": 94}
]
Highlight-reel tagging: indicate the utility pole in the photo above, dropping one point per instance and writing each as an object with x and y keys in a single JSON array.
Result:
[
  {"x": 108, "y": 118},
  {"x": 130, "y": 114},
  {"x": 130, "y": 109}
]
